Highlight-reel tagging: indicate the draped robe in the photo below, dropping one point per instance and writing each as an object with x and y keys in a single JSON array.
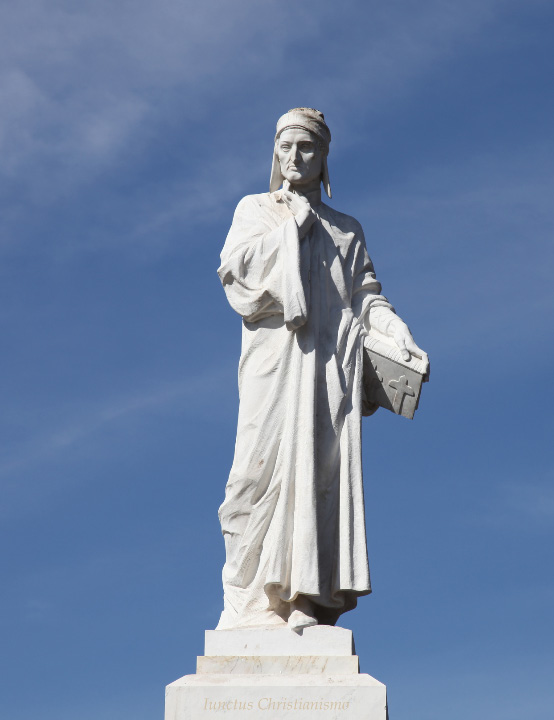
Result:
[{"x": 293, "y": 514}]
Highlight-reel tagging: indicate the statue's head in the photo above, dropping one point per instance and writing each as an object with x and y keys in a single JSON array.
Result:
[{"x": 301, "y": 148}]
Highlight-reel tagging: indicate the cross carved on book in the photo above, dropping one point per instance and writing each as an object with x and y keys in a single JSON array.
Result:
[{"x": 402, "y": 389}]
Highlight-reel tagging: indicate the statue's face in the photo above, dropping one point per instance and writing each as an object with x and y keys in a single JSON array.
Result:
[{"x": 300, "y": 157}]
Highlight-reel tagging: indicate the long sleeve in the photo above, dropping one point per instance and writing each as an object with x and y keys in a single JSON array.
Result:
[
  {"x": 366, "y": 290},
  {"x": 260, "y": 265}
]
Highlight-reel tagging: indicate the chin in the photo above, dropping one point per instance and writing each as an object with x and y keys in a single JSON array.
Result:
[{"x": 294, "y": 177}]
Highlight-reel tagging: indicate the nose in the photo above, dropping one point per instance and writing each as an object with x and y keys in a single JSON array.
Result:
[{"x": 294, "y": 152}]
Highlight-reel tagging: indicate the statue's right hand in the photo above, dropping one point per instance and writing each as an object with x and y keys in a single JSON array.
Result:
[{"x": 301, "y": 209}]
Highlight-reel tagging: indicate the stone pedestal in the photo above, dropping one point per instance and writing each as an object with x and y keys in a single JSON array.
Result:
[{"x": 277, "y": 675}]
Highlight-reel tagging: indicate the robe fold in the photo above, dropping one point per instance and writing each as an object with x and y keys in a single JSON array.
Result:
[{"x": 293, "y": 514}]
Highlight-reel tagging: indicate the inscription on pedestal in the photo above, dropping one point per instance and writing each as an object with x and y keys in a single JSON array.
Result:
[
  {"x": 270, "y": 703},
  {"x": 276, "y": 697}
]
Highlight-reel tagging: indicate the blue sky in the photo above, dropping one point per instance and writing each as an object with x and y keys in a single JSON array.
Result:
[{"x": 128, "y": 133}]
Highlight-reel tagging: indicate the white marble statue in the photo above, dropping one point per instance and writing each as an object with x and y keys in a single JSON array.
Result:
[{"x": 298, "y": 273}]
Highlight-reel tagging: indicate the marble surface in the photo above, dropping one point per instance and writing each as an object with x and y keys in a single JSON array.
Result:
[
  {"x": 318, "y": 640},
  {"x": 274, "y": 697},
  {"x": 278, "y": 665},
  {"x": 289, "y": 678}
]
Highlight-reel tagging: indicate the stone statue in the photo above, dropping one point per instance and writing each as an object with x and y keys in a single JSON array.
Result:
[{"x": 299, "y": 274}]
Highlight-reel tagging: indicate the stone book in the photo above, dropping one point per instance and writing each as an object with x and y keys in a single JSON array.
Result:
[{"x": 390, "y": 381}]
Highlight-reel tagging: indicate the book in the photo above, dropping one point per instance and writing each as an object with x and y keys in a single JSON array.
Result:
[{"x": 390, "y": 381}]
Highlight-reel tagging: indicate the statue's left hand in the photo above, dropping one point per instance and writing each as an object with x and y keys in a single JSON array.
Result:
[{"x": 402, "y": 336}]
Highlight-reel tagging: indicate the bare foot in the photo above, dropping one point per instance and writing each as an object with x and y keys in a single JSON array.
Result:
[{"x": 301, "y": 616}]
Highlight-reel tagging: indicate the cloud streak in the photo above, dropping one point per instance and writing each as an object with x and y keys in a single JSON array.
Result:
[
  {"x": 80, "y": 94},
  {"x": 195, "y": 395}
]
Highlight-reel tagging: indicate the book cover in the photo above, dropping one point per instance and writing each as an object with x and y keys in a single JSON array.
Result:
[{"x": 390, "y": 381}]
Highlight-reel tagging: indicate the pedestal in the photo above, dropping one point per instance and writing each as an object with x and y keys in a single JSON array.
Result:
[{"x": 277, "y": 675}]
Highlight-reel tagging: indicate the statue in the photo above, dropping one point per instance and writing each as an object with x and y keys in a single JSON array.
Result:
[{"x": 299, "y": 274}]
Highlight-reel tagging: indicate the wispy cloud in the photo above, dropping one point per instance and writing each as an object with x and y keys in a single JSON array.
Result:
[
  {"x": 194, "y": 395},
  {"x": 82, "y": 86},
  {"x": 77, "y": 83}
]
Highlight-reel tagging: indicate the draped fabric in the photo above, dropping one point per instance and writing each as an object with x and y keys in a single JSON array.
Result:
[{"x": 293, "y": 515}]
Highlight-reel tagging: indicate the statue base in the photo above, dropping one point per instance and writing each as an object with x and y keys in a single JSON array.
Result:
[{"x": 277, "y": 675}]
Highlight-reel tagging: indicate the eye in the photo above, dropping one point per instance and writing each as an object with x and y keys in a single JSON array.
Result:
[
  {"x": 306, "y": 146},
  {"x": 285, "y": 146}
]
